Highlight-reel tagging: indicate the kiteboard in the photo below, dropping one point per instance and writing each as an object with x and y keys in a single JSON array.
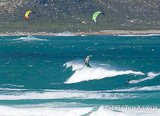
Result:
[{"x": 88, "y": 65}]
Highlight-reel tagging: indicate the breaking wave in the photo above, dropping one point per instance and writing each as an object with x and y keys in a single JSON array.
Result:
[
  {"x": 30, "y": 38},
  {"x": 78, "y": 111},
  {"x": 83, "y": 73},
  {"x": 62, "y": 94},
  {"x": 124, "y": 111},
  {"x": 12, "y": 85},
  {"x": 66, "y": 33},
  {"x": 150, "y": 76},
  {"x": 43, "y": 111},
  {"x": 135, "y": 89}
]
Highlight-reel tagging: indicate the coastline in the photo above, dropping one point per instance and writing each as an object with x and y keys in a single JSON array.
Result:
[{"x": 103, "y": 32}]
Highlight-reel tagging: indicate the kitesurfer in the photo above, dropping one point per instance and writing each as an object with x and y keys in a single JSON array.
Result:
[{"x": 86, "y": 61}]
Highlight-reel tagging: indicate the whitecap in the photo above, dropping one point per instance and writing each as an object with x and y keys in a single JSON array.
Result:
[
  {"x": 30, "y": 38},
  {"x": 135, "y": 89},
  {"x": 83, "y": 73},
  {"x": 125, "y": 111},
  {"x": 43, "y": 111},
  {"x": 12, "y": 85},
  {"x": 63, "y": 94},
  {"x": 150, "y": 76},
  {"x": 66, "y": 33}
]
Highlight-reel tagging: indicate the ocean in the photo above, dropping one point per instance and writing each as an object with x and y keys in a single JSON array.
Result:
[{"x": 46, "y": 75}]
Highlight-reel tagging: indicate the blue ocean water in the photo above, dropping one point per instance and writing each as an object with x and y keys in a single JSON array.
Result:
[{"x": 40, "y": 74}]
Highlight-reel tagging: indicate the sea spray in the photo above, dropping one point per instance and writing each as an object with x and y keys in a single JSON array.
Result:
[
  {"x": 83, "y": 73},
  {"x": 30, "y": 38},
  {"x": 150, "y": 76}
]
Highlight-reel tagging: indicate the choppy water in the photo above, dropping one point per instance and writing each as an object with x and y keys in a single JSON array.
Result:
[{"x": 45, "y": 75}]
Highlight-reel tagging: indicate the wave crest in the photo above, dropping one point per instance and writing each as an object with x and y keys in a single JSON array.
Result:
[
  {"x": 83, "y": 73},
  {"x": 30, "y": 38},
  {"x": 150, "y": 76}
]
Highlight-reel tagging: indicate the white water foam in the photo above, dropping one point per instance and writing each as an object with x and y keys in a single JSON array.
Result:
[
  {"x": 83, "y": 73},
  {"x": 43, "y": 111},
  {"x": 30, "y": 38},
  {"x": 24, "y": 94},
  {"x": 11, "y": 89},
  {"x": 66, "y": 33},
  {"x": 64, "y": 94},
  {"x": 76, "y": 111},
  {"x": 77, "y": 65},
  {"x": 12, "y": 85},
  {"x": 145, "y": 88},
  {"x": 120, "y": 111},
  {"x": 150, "y": 76}
]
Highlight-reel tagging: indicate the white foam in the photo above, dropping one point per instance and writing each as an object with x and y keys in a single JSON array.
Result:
[
  {"x": 75, "y": 111},
  {"x": 77, "y": 65},
  {"x": 83, "y": 73},
  {"x": 12, "y": 85},
  {"x": 120, "y": 111},
  {"x": 43, "y": 111},
  {"x": 21, "y": 94},
  {"x": 150, "y": 76},
  {"x": 145, "y": 88},
  {"x": 64, "y": 94},
  {"x": 12, "y": 89},
  {"x": 30, "y": 38},
  {"x": 66, "y": 33},
  {"x": 83, "y": 35}
]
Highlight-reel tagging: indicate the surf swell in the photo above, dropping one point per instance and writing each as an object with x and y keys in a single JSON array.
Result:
[
  {"x": 42, "y": 111},
  {"x": 66, "y": 33},
  {"x": 76, "y": 111},
  {"x": 30, "y": 38},
  {"x": 25, "y": 94},
  {"x": 83, "y": 73},
  {"x": 124, "y": 111},
  {"x": 150, "y": 76},
  {"x": 136, "y": 89},
  {"x": 62, "y": 94}
]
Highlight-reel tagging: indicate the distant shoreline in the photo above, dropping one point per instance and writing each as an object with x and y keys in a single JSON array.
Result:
[{"x": 104, "y": 32}]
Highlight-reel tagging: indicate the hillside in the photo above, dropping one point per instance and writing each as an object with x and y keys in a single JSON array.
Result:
[{"x": 75, "y": 15}]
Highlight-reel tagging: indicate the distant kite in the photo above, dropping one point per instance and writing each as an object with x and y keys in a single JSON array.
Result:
[
  {"x": 95, "y": 15},
  {"x": 27, "y": 13}
]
